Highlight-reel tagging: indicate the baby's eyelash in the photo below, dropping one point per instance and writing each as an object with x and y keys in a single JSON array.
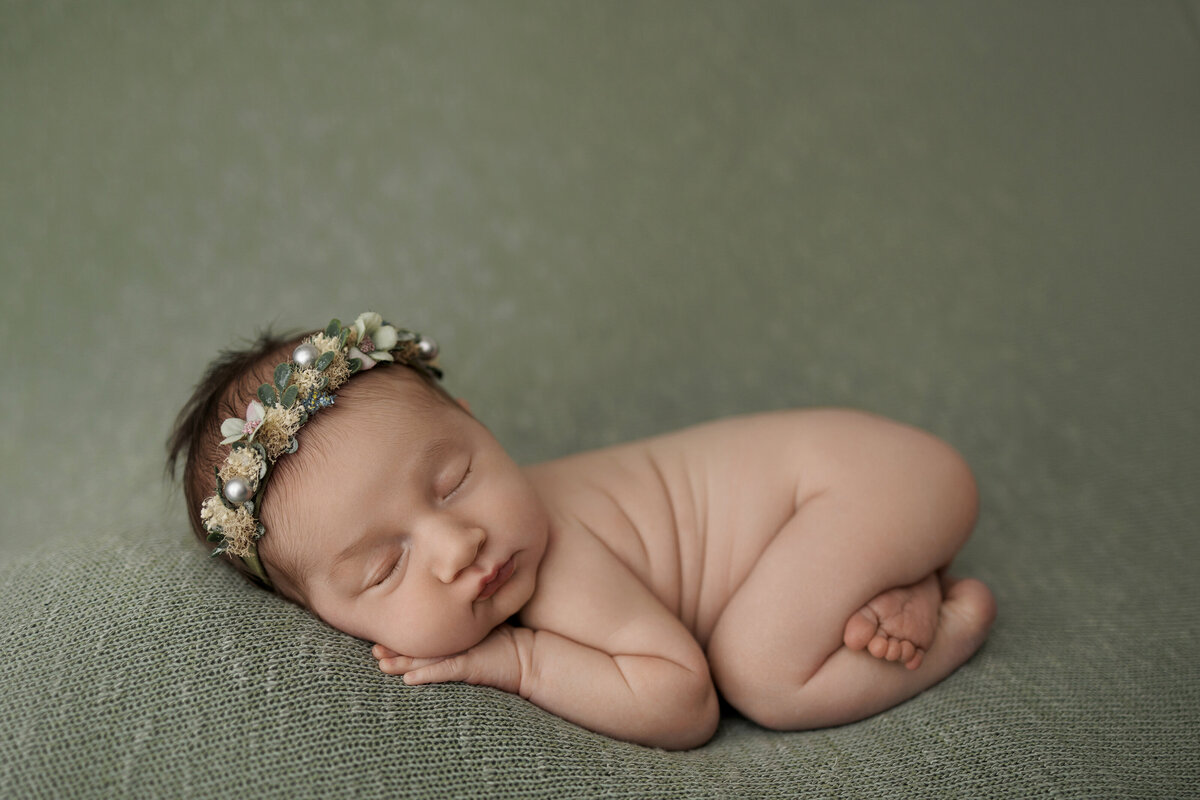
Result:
[
  {"x": 395, "y": 568},
  {"x": 461, "y": 481}
]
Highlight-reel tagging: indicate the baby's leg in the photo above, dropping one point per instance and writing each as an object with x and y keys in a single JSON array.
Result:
[
  {"x": 852, "y": 685},
  {"x": 892, "y": 505}
]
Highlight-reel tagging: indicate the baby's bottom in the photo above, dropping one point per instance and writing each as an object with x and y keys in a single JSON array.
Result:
[{"x": 891, "y": 507}]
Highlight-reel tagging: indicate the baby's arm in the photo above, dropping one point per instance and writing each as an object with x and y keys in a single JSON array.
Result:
[{"x": 601, "y": 651}]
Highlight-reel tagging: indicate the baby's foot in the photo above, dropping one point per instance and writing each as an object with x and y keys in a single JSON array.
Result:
[{"x": 898, "y": 625}]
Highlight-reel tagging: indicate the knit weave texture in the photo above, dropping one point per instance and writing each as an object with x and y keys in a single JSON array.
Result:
[{"x": 133, "y": 668}]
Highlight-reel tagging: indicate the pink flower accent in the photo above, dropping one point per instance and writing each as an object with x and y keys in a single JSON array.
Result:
[
  {"x": 365, "y": 361},
  {"x": 234, "y": 428}
]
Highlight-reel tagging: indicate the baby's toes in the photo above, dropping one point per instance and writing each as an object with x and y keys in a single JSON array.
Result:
[
  {"x": 860, "y": 629},
  {"x": 879, "y": 647},
  {"x": 916, "y": 660}
]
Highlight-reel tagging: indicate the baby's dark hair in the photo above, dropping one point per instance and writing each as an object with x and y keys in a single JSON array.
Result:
[{"x": 229, "y": 384}]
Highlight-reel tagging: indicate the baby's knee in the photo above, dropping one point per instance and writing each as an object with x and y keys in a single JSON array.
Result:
[
  {"x": 884, "y": 453},
  {"x": 950, "y": 480},
  {"x": 939, "y": 474},
  {"x": 960, "y": 489}
]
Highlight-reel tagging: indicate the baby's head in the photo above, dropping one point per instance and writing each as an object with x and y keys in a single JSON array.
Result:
[{"x": 397, "y": 518}]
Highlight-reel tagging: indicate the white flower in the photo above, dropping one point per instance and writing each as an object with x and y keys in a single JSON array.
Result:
[
  {"x": 233, "y": 428},
  {"x": 375, "y": 339}
]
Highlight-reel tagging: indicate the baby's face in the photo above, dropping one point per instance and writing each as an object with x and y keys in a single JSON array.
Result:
[{"x": 413, "y": 528}]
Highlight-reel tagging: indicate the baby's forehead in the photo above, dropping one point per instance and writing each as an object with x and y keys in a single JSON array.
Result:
[{"x": 390, "y": 425}]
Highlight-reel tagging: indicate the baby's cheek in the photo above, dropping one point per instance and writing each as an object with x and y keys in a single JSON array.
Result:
[{"x": 434, "y": 638}]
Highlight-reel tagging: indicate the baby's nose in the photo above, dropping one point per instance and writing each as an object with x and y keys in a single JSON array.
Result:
[{"x": 457, "y": 548}]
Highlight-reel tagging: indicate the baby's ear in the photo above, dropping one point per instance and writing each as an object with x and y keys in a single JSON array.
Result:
[{"x": 462, "y": 402}]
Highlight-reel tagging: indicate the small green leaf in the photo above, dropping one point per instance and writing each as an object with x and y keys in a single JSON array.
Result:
[
  {"x": 266, "y": 395},
  {"x": 290, "y": 395},
  {"x": 215, "y": 536},
  {"x": 293, "y": 445},
  {"x": 342, "y": 338},
  {"x": 324, "y": 361},
  {"x": 355, "y": 365},
  {"x": 221, "y": 548},
  {"x": 282, "y": 373},
  {"x": 333, "y": 328}
]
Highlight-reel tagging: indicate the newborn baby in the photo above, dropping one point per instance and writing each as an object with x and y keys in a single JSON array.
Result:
[{"x": 792, "y": 561}]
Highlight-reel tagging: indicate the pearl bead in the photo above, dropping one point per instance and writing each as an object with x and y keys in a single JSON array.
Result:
[
  {"x": 236, "y": 491},
  {"x": 427, "y": 348},
  {"x": 305, "y": 355}
]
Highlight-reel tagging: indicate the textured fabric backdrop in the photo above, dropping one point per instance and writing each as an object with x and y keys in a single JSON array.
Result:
[{"x": 618, "y": 219}]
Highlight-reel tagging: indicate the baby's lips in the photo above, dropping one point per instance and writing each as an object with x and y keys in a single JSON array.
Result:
[{"x": 491, "y": 583}]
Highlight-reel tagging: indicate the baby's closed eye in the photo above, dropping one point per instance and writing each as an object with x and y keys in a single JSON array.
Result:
[
  {"x": 462, "y": 480},
  {"x": 390, "y": 567}
]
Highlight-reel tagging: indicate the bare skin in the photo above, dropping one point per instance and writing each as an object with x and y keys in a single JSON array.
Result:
[
  {"x": 774, "y": 538},
  {"x": 899, "y": 624},
  {"x": 792, "y": 561}
]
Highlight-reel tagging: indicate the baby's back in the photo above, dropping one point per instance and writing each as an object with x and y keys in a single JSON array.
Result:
[{"x": 688, "y": 512}]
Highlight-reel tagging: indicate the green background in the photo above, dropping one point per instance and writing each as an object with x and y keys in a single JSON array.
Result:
[{"x": 619, "y": 219}]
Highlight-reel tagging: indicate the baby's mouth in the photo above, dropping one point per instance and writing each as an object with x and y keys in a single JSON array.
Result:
[{"x": 496, "y": 578}]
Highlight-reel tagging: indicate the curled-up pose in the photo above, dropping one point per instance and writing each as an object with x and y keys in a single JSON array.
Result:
[{"x": 795, "y": 562}]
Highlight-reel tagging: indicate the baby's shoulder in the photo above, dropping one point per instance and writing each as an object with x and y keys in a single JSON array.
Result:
[{"x": 714, "y": 441}]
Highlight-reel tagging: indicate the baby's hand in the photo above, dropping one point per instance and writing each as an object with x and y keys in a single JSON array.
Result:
[{"x": 496, "y": 661}]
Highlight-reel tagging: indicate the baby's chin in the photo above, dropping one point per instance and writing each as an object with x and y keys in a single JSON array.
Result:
[{"x": 437, "y": 648}]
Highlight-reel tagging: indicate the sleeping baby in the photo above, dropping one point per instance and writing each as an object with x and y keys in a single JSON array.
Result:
[{"x": 793, "y": 562}]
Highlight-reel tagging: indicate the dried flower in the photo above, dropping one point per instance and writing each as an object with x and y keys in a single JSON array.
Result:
[
  {"x": 375, "y": 339},
  {"x": 244, "y": 463},
  {"x": 237, "y": 526},
  {"x": 278, "y": 427}
]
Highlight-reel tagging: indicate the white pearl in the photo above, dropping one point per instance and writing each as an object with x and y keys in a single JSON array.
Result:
[
  {"x": 305, "y": 355},
  {"x": 236, "y": 491},
  {"x": 427, "y": 348}
]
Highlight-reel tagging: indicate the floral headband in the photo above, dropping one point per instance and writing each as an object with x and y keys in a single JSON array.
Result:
[{"x": 301, "y": 387}]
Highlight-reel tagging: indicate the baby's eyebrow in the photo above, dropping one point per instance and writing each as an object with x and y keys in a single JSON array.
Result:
[{"x": 434, "y": 450}]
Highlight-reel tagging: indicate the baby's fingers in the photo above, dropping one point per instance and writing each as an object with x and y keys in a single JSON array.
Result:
[
  {"x": 400, "y": 665},
  {"x": 445, "y": 669}
]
